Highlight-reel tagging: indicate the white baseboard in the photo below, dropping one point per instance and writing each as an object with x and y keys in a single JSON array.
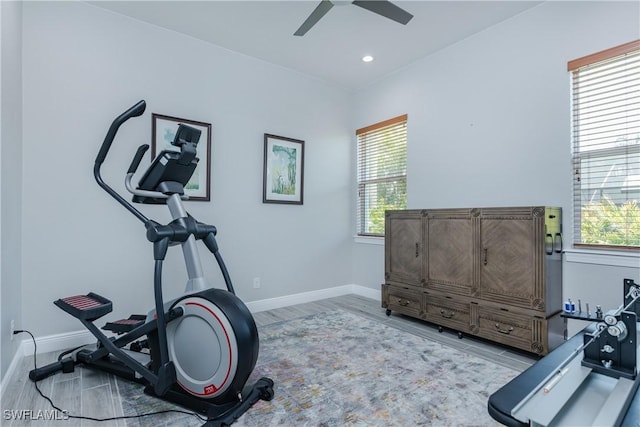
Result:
[
  {"x": 58, "y": 342},
  {"x": 374, "y": 294},
  {"x": 304, "y": 297},
  {"x": 13, "y": 367}
]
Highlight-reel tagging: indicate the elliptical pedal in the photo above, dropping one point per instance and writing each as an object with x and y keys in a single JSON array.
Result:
[
  {"x": 85, "y": 307},
  {"x": 125, "y": 325}
]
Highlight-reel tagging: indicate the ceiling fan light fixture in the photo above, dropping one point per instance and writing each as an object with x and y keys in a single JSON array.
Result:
[{"x": 367, "y": 58}]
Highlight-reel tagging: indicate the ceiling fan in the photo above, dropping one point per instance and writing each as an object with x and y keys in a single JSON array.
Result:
[{"x": 381, "y": 7}]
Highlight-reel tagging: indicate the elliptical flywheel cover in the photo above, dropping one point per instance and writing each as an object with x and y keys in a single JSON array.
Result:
[{"x": 203, "y": 348}]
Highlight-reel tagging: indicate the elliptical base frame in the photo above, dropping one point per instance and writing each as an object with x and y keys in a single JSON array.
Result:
[{"x": 224, "y": 414}]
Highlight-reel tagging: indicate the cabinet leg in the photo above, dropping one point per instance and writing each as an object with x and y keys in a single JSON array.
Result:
[
  {"x": 440, "y": 329},
  {"x": 388, "y": 312},
  {"x": 460, "y": 335}
]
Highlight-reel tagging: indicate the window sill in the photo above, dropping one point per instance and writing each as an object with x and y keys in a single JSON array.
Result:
[
  {"x": 369, "y": 240},
  {"x": 611, "y": 258}
]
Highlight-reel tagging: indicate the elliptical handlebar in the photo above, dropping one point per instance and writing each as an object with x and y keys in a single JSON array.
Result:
[
  {"x": 134, "y": 111},
  {"x": 137, "y": 158}
]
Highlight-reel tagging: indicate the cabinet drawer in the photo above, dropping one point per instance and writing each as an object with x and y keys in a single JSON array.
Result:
[
  {"x": 513, "y": 329},
  {"x": 447, "y": 312},
  {"x": 402, "y": 300}
]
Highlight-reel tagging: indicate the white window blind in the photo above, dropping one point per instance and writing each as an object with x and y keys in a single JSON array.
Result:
[
  {"x": 606, "y": 148},
  {"x": 382, "y": 173}
]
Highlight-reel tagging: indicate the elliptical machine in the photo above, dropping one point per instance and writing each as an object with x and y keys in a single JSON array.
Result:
[{"x": 202, "y": 346}]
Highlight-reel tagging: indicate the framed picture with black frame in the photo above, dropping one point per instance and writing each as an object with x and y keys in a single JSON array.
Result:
[
  {"x": 162, "y": 134},
  {"x": 283, "y": 177}
]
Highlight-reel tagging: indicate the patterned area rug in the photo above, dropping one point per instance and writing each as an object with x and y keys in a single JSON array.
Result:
[{"x": 340, "y": 369}]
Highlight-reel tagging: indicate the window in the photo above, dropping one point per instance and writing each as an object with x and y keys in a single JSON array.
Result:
[
  {"x": 606, "y": 148},
  {"x": 382, "y": 173}
]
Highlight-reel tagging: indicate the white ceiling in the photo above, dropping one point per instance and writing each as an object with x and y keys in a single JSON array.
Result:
[{"x": 333, "y": 48}]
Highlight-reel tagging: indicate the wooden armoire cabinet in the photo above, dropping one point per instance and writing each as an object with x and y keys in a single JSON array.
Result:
[{"x": 491, "y": 272}]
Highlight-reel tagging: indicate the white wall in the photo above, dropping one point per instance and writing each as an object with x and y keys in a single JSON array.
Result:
[
  {"x": 10, "y": 176},
  {"x": 82, "y": 67},
  {"x": 489, "y": 123}
]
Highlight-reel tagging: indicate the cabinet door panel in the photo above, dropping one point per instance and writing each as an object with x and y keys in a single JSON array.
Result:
[
  {"x": 450, "y": 255},
  {"x": 507, "y": 261},
  {"x": 403, "y": 248}
]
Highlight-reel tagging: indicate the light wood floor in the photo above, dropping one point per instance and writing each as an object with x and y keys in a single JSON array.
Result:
[{"x": 95, "y": 394}]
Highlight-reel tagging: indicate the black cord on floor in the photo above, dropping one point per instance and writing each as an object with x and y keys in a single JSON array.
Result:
[{"x": 80, "y": 417}]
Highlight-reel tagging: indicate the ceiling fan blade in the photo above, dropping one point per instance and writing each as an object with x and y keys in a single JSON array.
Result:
[
  {"x": 386, "y": 9},
  {"x": 318, "y": 12}
]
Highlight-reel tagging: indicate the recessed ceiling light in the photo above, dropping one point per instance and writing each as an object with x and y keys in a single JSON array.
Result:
[{"x": 367, "y": 58}]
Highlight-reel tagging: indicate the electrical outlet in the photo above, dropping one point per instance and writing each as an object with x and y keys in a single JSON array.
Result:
[
  {"x": 256, "y": 283},
  {"x": 13, "y": 328}
]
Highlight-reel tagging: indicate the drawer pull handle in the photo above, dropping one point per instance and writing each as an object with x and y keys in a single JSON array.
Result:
[
  {"x": 485, "y": 260},
  {"x": 403, "y": 302},
  {"x": 447, "y": 315},
  {"x": 417, "y": 250},
  {"x": 504, "y": 331}
]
